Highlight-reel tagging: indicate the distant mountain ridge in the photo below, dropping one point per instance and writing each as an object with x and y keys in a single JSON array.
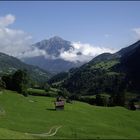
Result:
[
  {"x": 128, "y": 50},
  {"x": 105, "y": 73},
  {"x": 52, "y": 61},
  {"x": 54, "y": 45},
  {"x": 9, "y": 64},
  {"x": 130, "y": 64}
]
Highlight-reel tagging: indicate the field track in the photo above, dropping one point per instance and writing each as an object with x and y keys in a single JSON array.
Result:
[{"x": 48, "y": 134}]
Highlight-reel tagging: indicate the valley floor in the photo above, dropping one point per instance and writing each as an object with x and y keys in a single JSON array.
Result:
[{"x": 34, "y": 117}]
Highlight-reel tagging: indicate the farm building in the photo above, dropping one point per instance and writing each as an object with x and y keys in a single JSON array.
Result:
[
  {"x": 59, "y": 103},
  {"x": 137, "y": 107}
]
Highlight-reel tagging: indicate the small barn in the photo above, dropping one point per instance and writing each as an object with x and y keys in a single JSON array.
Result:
[
  {"x": 137, "y": 107},
  {"x": 59, "y": 103}
]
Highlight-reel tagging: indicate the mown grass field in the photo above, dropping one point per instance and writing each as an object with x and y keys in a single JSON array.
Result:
[
  {"x": 41, "y": 92},
  {"x": 105, "y": 64},
  {"x": 20, "y": 115},
  {"x": 36, "y": 91}
]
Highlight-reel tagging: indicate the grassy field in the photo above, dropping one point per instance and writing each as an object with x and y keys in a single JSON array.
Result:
[
  {"x": 40, "y": 92},
  {"x": 37, "y": 91},
  {"x": 20, "y": 117},
  {"x": 105, "y": 64}
]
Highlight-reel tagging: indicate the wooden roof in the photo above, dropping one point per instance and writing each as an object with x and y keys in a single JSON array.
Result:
[{"x": 59, "y": 103}]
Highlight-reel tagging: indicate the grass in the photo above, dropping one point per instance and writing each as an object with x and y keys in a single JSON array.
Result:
[
  {"x": 94, "y": 96},
  {"x": 105, "y": 64},
  {"x": 37, "y": 91},
  {"x": 35, "y": 114},
  {"x": 40, "y": 92}
]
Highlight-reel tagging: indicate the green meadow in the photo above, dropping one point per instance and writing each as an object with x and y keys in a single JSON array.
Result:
[{"x": 34, "y": 117}]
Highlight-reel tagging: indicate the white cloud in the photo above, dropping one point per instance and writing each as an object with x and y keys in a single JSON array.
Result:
[
  {"x": 13, "y": 42},
  {"x": 137, "y": 32},
  {"x": 83, "y": 52},
  {"x": 7, "y": 20},
  {"x": 16, "y": 42},
  {"x": 32, "y": 52}
]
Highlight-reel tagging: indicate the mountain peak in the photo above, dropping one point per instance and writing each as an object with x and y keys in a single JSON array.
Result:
[
  {"x": 56, "y": 38},
  {"x": 54, "y": 45},
  {"x": 50, "y": 40},
  {"x": 52, "y": 60}
]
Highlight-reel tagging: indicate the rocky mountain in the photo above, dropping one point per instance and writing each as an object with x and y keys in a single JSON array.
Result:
[
  {"x": 9, "y": 64},
  {"x": 106, "y": 73},
  {"x": 52, "y": 61},
  {"x": 54, "y": 45}
]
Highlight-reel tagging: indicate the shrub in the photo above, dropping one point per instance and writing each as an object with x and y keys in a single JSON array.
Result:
[{"x": 2, "y": 84}]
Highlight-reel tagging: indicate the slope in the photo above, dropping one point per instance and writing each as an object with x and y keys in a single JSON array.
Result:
[
  {"x": 9, "y": 64},
  {"x": 52, "y": 61},
  {"x": 106, "y": 73},
  {"x": 78, "y": 120}
]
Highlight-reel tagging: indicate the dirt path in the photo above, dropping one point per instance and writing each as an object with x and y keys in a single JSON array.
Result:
[{"x": 48, "y": 134}]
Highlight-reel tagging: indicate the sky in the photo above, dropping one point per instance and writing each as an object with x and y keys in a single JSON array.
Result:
[{"x": 101, "y": 24}]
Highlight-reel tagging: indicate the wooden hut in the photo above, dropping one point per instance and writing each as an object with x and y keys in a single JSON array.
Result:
[
  {"x": 137, "y": 106},
  {"x": 59, "y": 103}
]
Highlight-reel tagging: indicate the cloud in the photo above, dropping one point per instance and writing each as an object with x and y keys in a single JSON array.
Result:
[
  {"x": 137, "y": 32},
  {"x": 32, "y": 52},
  {"x": 7, "y": 20},
  {"x": 16, "y": 42},
  {"x": 83, "y": 52}
]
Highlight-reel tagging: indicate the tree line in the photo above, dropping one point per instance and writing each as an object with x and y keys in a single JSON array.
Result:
[{"x": 18, "y": 81}]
